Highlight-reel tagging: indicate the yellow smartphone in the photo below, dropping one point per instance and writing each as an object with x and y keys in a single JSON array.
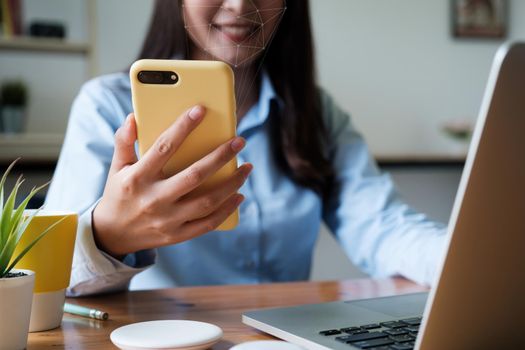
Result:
[{"x": 163, "y": 89}]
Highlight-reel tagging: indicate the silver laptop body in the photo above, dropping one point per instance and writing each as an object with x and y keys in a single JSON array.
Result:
[{"x": 478, "y": 301}]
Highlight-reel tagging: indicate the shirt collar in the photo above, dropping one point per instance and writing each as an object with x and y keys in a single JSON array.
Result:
[{"x": 259, "y": 112}]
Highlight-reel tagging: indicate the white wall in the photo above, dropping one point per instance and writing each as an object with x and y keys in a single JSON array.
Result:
[
  {"x": 121, "y": 27},
  {"x": 396, "y": 68}
]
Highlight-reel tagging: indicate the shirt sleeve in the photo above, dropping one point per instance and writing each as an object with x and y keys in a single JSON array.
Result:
[
  {"x": 380, "y": 234},
  {"x": 78, "y": 184},
  {"x": 94, "y": 271}
]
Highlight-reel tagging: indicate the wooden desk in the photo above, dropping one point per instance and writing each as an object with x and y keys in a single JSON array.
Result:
[{"x": 221, "y": 305}]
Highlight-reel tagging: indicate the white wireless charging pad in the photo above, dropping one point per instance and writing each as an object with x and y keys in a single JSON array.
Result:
[
  {"x": 166, "y": 335},
  {"x": 266, "y": 345}
]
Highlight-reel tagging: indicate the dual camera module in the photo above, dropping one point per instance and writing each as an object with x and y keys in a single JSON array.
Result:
[{"x": 157, "y": 77}]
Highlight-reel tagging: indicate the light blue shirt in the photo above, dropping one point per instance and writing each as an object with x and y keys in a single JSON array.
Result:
[{"x": 279, "y": 219}]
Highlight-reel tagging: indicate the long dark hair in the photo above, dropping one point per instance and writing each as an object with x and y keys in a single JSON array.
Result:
[{"x": 299, "y": 136}]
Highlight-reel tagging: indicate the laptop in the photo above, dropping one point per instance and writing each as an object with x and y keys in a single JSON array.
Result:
[{"x": 478, "y": 299}]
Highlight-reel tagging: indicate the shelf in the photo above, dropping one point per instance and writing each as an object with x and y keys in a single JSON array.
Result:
[
  {"x": 43, "y": 44},
  {"x": 421, "y": 159},
  {"x": 30, "y": 147}
]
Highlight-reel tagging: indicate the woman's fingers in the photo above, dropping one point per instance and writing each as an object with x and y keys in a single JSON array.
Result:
[
  {"x": 124, "y": 153},
  {"x": 208, "y": 223},
  {"x": 170, "y": 140},
  {"x": 190, "y": 178},
  {"x": 155, "y": 215},
  {"x": 196, "y": 207}
]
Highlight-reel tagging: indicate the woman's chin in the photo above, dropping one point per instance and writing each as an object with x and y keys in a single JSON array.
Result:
[{"x": 242, "y": 59}]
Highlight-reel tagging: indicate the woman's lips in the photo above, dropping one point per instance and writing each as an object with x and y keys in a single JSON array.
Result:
[{"x": 235, "y": 33}]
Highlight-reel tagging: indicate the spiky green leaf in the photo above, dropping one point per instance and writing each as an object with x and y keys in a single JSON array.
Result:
[
  {"x": 2, "y": 182},
  {"x": 13, "y": 223},
  {"x": 7, "y": 213}
]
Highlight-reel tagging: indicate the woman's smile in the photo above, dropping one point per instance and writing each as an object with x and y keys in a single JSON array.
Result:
[
  {"x": 232, "y": 31},
  {"x": 238, "y": 33}
]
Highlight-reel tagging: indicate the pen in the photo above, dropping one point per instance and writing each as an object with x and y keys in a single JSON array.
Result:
[{"x": 85, "y": 311}]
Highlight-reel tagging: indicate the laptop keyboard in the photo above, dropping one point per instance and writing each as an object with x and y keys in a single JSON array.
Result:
[{"x": 391, "y": 335}]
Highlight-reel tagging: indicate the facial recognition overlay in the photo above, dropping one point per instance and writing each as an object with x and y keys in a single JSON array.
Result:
[{"x": 236, "y": 32}]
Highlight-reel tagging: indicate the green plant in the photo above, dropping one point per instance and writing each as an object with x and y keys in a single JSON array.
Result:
[
  {"x": 13, "y": 93},
  {"x": 13, "y": 224}
]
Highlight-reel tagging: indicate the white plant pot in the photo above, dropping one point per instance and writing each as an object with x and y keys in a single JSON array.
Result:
[
  {"x": 16, "y": 295},
  {"x": 47, "y": 311}
]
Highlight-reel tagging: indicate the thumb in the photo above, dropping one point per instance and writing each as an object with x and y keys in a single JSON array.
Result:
[{"x": 125, "y": 138}]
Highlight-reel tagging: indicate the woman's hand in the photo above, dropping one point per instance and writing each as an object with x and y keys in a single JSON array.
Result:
[{"x": 141, "y": 208}]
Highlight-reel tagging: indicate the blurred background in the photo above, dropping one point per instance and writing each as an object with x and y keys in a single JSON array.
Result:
[{"x": 411, "y": 73}]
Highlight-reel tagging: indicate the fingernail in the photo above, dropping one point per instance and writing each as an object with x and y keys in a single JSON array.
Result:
[
  {"x": 196, "y": 113},
  {"x": 240, "y": 198},
  {"x": 237, "y": 144}
]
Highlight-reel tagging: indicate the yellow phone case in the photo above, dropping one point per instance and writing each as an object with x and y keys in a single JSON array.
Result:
[{"x": 157, "y": 106}]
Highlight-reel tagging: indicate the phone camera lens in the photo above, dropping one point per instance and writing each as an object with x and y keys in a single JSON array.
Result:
[
  {"x": 158, "y": 77},
  {"x": 150, "y": 77}
]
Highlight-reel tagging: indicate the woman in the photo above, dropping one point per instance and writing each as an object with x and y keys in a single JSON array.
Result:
[{"x": 309, "y": 165}]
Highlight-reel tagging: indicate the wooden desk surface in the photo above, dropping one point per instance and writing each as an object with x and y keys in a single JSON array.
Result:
[{"x": 220, "y": 305}]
